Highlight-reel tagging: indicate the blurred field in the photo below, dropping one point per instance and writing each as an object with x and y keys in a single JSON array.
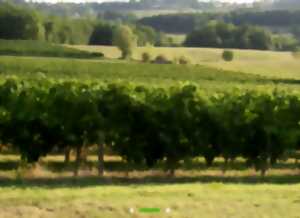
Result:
[
  {"x": 51, "y": 191},
  {"x": 149, "y": 13},
  {"x": 264, "y": 63},
  {"x": 41, "y": 49},
  {"x": 178, "y": 39},
  {"x": 151, "y": 74},
  {"x": 186, "y": 200}
]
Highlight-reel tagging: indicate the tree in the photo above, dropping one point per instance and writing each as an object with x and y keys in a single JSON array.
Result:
[
  {"x": 222, "y": 35},
  {"x": 18, "y": 23},
  {"x": 205, "y": 37},
  {"x": 260, "y": 39},
  {"x": 49, "y": 26},
  {"x": 102, "y": 35},
  {"x": 125, "y": 40}
]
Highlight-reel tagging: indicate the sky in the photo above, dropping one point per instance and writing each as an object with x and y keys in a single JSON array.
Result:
[{"x": 77, "y": 1}]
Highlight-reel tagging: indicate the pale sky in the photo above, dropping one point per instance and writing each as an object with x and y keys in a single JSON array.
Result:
[{"x": 78, "y": 1}]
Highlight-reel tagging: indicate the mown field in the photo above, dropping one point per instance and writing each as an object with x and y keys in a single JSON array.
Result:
[
  {"x": 186, "y": 200},
  {"x": 263, "y": 63},
  {"x": 51, "y": 191}
]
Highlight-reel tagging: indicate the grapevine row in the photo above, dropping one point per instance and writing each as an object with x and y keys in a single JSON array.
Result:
[{"x": 149, "y": 125}]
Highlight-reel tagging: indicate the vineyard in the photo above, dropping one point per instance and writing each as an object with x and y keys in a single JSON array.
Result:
[
  {"x": 108, "y": 112},
  {"x": 149, "y": 125},
  {"x": 94, "y": 138}
]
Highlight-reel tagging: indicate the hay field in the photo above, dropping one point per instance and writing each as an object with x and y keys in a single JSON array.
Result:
[{"x": 264, "y": 63}]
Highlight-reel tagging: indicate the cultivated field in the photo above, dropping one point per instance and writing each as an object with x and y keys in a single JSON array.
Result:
[{"x": 263, "y": 63}]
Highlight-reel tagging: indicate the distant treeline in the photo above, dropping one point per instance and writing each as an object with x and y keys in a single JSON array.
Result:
[
  {"x": 26, "y": 24},
  {"x": 185, "y": 23},
  {"x": 92, "y": 8},
  {"x": 264, "y": 18},
  {"x": 222, "y": 35},
  {"x": 286, "y": 4}
]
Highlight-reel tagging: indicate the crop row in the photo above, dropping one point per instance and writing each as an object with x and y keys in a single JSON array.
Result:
[{"x": 149, "y": 125}]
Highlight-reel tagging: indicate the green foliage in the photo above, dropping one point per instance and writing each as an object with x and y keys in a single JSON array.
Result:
[
  {"x": 183, "y": 60},
  {"x": 222, "y": 35},
  {"x": 161, "y": 59},
  {"x": 19, "y": 23},
  {"x": 187, "y": 22},
  {"x": 42, "y": 49},
  {"x": 102, "y": 35},
  {"x": 68, "y": 31},
  {"x": 228, "y": 55},
  {"x": 284, "y": 43},
  {"x": 125, "y": 40},
  {"x": 145, "y": 35},
  {"x": 39, "y": 116},
  {"x": 146, "y": 57}
]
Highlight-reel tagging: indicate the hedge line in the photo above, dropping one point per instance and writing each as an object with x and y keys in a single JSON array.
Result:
[{"x": 148, "y": 125}]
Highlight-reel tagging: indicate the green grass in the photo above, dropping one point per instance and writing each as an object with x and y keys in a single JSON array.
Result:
[
  {"x": 186, "y": 200},
  {"x": 195, "y": 191},
  {"x": 41, "y": 49},
  {"x": 265, "y": 63},
  {"x": 151, "y": 74}
]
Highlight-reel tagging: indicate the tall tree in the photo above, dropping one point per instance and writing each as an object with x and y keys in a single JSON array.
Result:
[{"x": 125, "y": 40}]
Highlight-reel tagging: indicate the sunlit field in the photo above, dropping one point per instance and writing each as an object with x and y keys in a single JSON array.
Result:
[
  {"x": 185, "y": 200},
  {"x": 264, "y": 63},
  {"x": 112, "y": 70},
  {"x": 141, "y": 109},
  {"x": 50, "y": 190}
]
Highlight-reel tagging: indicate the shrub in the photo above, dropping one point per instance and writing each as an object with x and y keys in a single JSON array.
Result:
[
  {"x": 146, "y": 57},
  {"x": 97, "y": 54},
  {"x": 228, "y": 55},
  {"x": 183, "y": 60},
  {"x": 161, "y": 59}
]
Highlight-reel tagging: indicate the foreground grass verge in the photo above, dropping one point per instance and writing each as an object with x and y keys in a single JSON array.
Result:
[
  {"x": 195, "y": 191},
  {"x": 186, "y": 200}
]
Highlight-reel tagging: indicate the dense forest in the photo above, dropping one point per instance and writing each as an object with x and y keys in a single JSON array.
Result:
[
  {"x": 222, "y": 35},
  {"x": 187, "y": 22}
]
